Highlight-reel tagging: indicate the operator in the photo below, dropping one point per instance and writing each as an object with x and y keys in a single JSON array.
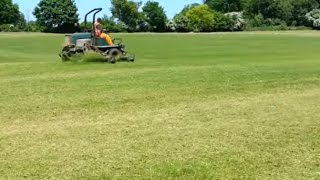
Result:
[{"x": 99, "y": 32}]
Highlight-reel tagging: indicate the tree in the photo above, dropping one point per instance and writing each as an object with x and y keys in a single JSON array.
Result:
[
  {"x": 156, "y": 16},
  {"x": 21, "y": 22},
  {"x": 237, "y": 19},
  {"x": 270, "y": 9},
  {"x": 9, "y": 12},
  {"x": 300, "y": 9},
  {"x": 57, "y": 15},
  {"x": 187, "y": 8},
  {"x": 279, "y": 12},
  {"x": 223, "y": 22},
  {"x": 33, "y": 26},
  {"x": 180, "y": 20},
  {"x": 182, "y": 23},
  {"x": 126, "y": 12},
  {"x": 110, "y": 25},
  {"x": 225, "y": 5},
  {"x": 314, "y": 17},
  {"x": 201, "y": 18}
]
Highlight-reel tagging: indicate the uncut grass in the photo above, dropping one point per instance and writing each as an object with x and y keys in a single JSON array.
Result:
[{"x": 193, "y": 106}]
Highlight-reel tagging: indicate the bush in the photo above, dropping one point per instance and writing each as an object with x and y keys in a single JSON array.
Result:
[
  {"x": 182, "y": 24},
  {"x": 171, "y": 26},
  {"x": 258, "y": 22},
  {"x": 200, "y": 18},
  {"x": 274, "y": 9},
  {"x": 299, "y": 11},
  {"x": 9, "y": 28},
  {"x": 203, "y": 19},
  {"x": 222, "y": 22},
  {"x": 268, "y": 28},
  {"x": 33, "y": 27},
  {"x": 238, "y": 20},
  {"x": 314, "y": 18},
  {"x": 114, "y": 28},
  {"x": 67, "y": 28},
  {"x": 144, "y": 27}
]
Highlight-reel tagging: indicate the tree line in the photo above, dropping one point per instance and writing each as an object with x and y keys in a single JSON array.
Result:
[{"x": 61, "y": 16}]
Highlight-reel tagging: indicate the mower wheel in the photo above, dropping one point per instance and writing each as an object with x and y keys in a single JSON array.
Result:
[
  {"x": 115, "y": 55},
  {"x": 115, "y": 52}
]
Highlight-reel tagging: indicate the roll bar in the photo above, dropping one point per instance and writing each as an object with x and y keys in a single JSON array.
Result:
[{"x": 96, "y": 10}]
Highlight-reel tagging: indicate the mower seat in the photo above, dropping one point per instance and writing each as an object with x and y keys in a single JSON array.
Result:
[{"x": 100, "y": 42}]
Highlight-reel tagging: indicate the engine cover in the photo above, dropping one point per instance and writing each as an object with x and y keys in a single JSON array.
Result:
[{"x": 82, "y": 42}]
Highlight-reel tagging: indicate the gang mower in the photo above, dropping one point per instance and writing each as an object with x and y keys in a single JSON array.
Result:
[{"x": 85, "y": 42}]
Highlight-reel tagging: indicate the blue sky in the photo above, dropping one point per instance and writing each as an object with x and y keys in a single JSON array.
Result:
[{"x": 171, "y": 6}]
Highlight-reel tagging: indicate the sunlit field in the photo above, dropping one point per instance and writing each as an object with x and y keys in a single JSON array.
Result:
[{"x": 192, "y": 106}]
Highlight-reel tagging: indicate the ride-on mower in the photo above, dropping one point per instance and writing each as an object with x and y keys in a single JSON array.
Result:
[{"x": 87, "y": 41}]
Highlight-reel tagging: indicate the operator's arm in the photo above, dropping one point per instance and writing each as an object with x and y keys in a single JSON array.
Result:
[{"x": 98, "y": 29}]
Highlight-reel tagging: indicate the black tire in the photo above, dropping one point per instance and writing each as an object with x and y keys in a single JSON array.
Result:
[
  {"x": 115, "y": 55},
  {"x": 112, "y": 60}
]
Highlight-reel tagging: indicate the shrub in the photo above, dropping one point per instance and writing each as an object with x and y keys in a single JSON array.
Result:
[
  {"x": 258, "y": 22},
  {"x": 171, "y": 26},
  {"x": 238, "y": 20},
  {"x": 182, "y": 23},
  {"x": 222, "y": 22},
  {"x": 33, "y": 27},
  {"x": 143, "y": 27},
  {"x": 9, "y": 28},
  {"x": 314, "y": 18},
  {"x": 200, "y": 18}
]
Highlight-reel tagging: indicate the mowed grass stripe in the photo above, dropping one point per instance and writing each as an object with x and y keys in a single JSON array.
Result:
[{"x": 203, "y": 140}]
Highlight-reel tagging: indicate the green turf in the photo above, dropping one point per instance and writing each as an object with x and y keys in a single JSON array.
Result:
[{"x": 210, "y": 106}]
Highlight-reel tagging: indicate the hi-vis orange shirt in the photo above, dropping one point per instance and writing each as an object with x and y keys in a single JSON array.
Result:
[{"x": 99, "y": 33}]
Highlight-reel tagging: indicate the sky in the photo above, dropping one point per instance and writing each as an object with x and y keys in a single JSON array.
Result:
[{"x": 171, "y": 6}]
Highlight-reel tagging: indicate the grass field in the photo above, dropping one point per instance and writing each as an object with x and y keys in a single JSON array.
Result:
[{"x": 210, "y": 106}]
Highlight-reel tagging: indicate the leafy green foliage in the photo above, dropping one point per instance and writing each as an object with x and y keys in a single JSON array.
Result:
[
  {"x": 20, "y": 25},
  {"x": 9, "y": 12},
  {"x": 156, "y": 16},
  {"x": 299, "y": 11},
  {"x": 110, "y": 25},
  {"x": 33, "y": 26},
  {"x": 288, "y": 12},
  {"x": 8, "y": 28},
  {"x": 201, "y": 18},
  {"x": 181, "y": 22},
  {"x": 314, "y": 18},
  {"x": 238, "y": 20},
  {"x": 225, "y": 5},
  {"x": 273, "y": 9},
  {"x": 21, "y": 22},
  {"x": 127, "y": 12},
  {"x": 222, "y": 22},
  {"x": 188, "y": 8},
  {"x": 258, "y": 22},
  {"x": 56, "y": 15}
]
